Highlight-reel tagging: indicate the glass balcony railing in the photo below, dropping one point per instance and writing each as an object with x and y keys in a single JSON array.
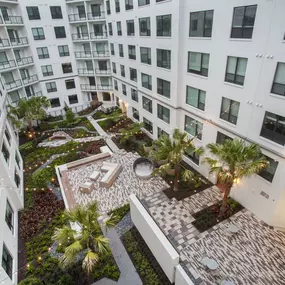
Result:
[
  {"x": 13, "y": 84},
  {"x": 85, "y": 71},
  {"x": 7, "y": 64},
  {"x": 13, "y": 20},
  {"x": 80, "y": 36},
  {"x": 77, "y": 17},
  {"x": 96, "y": 16},
  {"x": 4, "y": 43},
  {"x": 19, "y": 41},
  {"x": 87, "y": 87},
  {"x": 25, "y": 60},
  {"x": 101, "y": 54},
  {"x": 30, "y": 79},
  {"x": 83, "y": 54},
  {"x": 102, "y": 71},
  {"x": 100, "y": 35}
]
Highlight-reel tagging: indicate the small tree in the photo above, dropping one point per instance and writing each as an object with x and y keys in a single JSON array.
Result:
[
  {"x": 69, "y": 116},
  {"x": 27, "y": 111},
  {"x": 88, "y": 240},
  {"x": 128, "y": 133},
  {"x": 234, "y": 160},
  {"x": 171, "y": 151}
]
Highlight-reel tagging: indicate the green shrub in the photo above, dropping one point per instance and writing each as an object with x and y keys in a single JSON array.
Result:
[
  {"x": 69, "y": 117},
  {"x": 65, "y": 280},
  {"x": 31, "y": 281},
  {"x": 120, "y": 212}
]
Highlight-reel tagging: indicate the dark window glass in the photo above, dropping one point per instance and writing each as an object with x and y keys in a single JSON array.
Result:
[
  {"x": 119, "y": 28},
  {"x": 163, "y": 58},
  {"x": 124, "y": 89},
  {"x": 106, "y": 96},
  {"x": 121, "y": 50},
  {"x": 161, "y": 132},
  {"x": 163, "y": 113},
  {"x": 5, "y": 152},
  {"x": 110, "y": 27},
  {"x": 144, "y": 26},
  {"x": 33, "y": 13},
  {"x": 38, "y": 34},
  {"x": 278, "y": 86},
  {"x": 17, "y": 178},
  {"x": 193, "y": 127},
  {"x": 130, "y": 28},
  {"x": 129, "y": 4},
  {"x": 229, "y": 110},
  {"x": 193, "y": 156},
  {"x": 66, "y": 68},
  {"x": 123, "y": 73},
  {"x": 201, "y": 24},
  {"x": 147, "y": 104},
  {"x": 54, "y": 102},
  {"x": 143, "y": 2},
  {"x": 269, "y": 172},
  {"x": 9, "y": 216},
  {"x": 134, "y": 94},
  {"x": 236, "y": 68},
  {"x": 73, "y": 99},
  {"x": 163, "y": 87},
  {"x": 136, "y": 114},
  {"x": 114, "y": 67},
  {"x": 117, "y": 4},
  {"x": 133, "y": 74},
  {"x": 8, "y": 136},
  {"x": 145, "y": 55},
  {"x": 63, "y": 50},
  {"x": 51, "y": 87},
  {"x": 148, "y": 125},
  {"x": 59, "y": 32},
  {"x": 43, "y": 52},
  {"x": 55, "y": 12},
  {"x": 222, "y": 137},
  {"x": 163, "y": 26},
  {"x": 108, "y": 7},
  {"x": 132, "y": 52},
  {"x": 112, "y": 49},
  {"x": 70, "y": 84},
  {"x": 146, "y": 81},
  {"x": 116, "y": 85},
  {"x": 7, "y": 261},
  {"x": 198, "y": 63},
  {"x": 195, "y": 97}
]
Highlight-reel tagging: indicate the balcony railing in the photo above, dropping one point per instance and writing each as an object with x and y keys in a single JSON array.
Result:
[
  {"x": 102, "y": 35},
  {"x": 85, "y": 71},
  {"x": 13, "y": 20},
  {"x": 39, "y": 93},
  {"x": 25, "y": 60},
  {"x": 19, "y": 41},
  {"x": 102, "y": 71},
  {"x": 104, "y": 87},
  {"x": 101, "y": 54},
  {"x": 30, "y": 79},
  {"x": 77, "y": 17},
  {"x": 87, "y": 87},
  {"x": 78, "y": 37},
  {"x": 96, "y": 16},
  {"x": 7, "y": 64},
  {"x": 83, "y": 54},
  {"x": 13, "y": 84},
  {"x": 4, "y": 43}
]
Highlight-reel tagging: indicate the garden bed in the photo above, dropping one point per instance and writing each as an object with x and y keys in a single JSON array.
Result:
[
  {"x": 89, "y": 109},
  {"x": 120, "y": 212},
  {"x": 145, "y": 263},
  {"x": 211, "y": 216}
]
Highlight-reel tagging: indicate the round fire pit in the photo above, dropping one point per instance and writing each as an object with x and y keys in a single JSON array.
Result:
[{"x": 143, "y": 167}]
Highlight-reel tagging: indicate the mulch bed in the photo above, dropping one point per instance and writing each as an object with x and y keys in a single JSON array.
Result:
[
  {"x": 123, "y": 123},
  {"x": 211, "y": 216}
]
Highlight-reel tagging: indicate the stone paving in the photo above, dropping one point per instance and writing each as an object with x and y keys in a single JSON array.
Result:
[{"x": 124, "y": 225}]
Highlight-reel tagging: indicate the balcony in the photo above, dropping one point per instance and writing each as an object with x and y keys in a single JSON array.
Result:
[
  {"x": 98, "y": 36},
  {"x": 87, "y": 87},
  {"x": 83, "y": 54},
  {"x": 77, "y": 17},
  {"x": 7, "y": 64},
  {"x": 4, "y": 43},
  {"x": 13, "y": 20},
  {"x": 101, "y": 54},
  {"x": 13, "y": 84},
  {"x": 25, "y": 60},
  {"x": 96, "y": 16},
  {"x": 30, "y": 79},
  {"x": 85, "y": 71},
  {"x": 80, "y": 37},
  {"x": 19, "y": 41},
  {"x": 103, "y": 71},
  {"x": 105, "y": 87}
]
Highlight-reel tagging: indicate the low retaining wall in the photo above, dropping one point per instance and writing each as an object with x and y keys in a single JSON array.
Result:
[
  {"x": 88, "y": 160},
  {"x": 181, "y": 277}
]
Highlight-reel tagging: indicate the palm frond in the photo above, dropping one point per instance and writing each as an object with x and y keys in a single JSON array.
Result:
[
  {"x": 111, "y": 221},
  {"x": 90, "y": 260},
  {"x": 187, "y": 175},
  {"x": 102, "y": 244},
  {"x": 64, "y": 235}
]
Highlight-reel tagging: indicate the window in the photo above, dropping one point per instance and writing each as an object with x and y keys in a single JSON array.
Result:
[
  {"x": 114, "y": 67},
  {"x": 201, "y": 24},
  {"x": 163, "y": 87},
  {"x": 132, "y": 52},
  {"x": 130, "y": 28},
  {"x": 108, "y": 7},
  {"x": 163, "y": 58},
  {"x": 116, "y": 84},
  {"x": 7, "y": 135},
  {"x": 9, "y": 216},
  {"x": 38, "y": 34},
  {"x": 147, "y": 104},
  {"x": 55, "y": 12},
  {"x": 106, "y": 96},
  {"x": 124, "y": 89},
  {"x": 273, "y": 128},
  {"x": 135, "y": 95},
  {"x": 161, "y": 132},
  {"x": 221, "y": 138},
  {"x": 66, "y": 67},
  {"x": 5, "y": 152},
  {"x": 236, "y": 67},
  {"x": 145, "y": 55},
  {"x": 7, "y": 261},
  {"x": 133, "y": 74},
  {"x": 54, "y": 102},
  {"x": 136, "y": 114},
  {"x": 70, "y": 84},
  {"x": 129, "y": 4},
  {"x": 195, "y": 97},
  {"x": 102, "y": 64},
  {"x": 119, "y": 28},
  {"x": 47, "y": 70},
  {"x": 51, "y": 87},
  {"x": 143, "y": 2},
  {"x": 144, "y": 26},
  {"x": 17, "y": 178},
  {"x": 110, "y": 27},
  {"x": 123, "y": 74},
  {"x": 121, "y": 50},
  {"x": 33, "y": 13},
  {"x": 243, "y": 22},
  {"x": 148, "y": 125},
  {"x": 163, "y": 26},
  {"x": 198, "y": 63},
  {"x": 63, "y": 50},
  {"x": 112, "y": 49},
  {"x": 59, "y": 32},
  {"x": 278, "y": 86},
  {"x": 73, "y": 99},
  {"x": 229, "y": 110},
  {"x": 193, "y": 127},
  {"x": 163, "y": 113},
  {"x": 17, "y": 159},
  {"x": 269, "y": 172},
  {"x": 192, "y": 155},
  {"x": 117, "y": 4},
  {"x": 147, "y": 81},
  {"x": 42, "y": 52}
]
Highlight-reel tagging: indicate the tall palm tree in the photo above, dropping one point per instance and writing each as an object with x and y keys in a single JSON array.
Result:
[
  {"x": 171, "y": 151},
  {"x": 26, "y": 111},
  {"x": 87, "y": 240},
  {"x": 234, "y": 160}
]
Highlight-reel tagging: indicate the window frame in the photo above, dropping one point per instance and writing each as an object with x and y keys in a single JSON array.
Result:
[
  {"x": 275, "y": 83},
  {"x": 39, "y": 36},
  {"x": 147, "y": 32},
  {"x": 204, "y": 24},
  {"x": 147, "y": 85},
  {"x": 51, "y": 87},
  {"x": 43, "y": 54},
  {"x": 70, "y": 84},
  {"x": 163, "y": 113},
  {"x": 148, "y": 54},
  {"x": 71, "y": 101},
  {"x": 55, "y": 14},
  {"x": 57, "y": 100},
  {"x": 33, "y": 16},
  {"x": 130, "y": 27},
  {"x": 47, "y": 73},
  {"x": 235, "y": 81},
  {"x": 134, "y": 95},
  {"x": 160, "y": 91},
  {"x": 133, "y": 70},
  {"x": 8, "y": 263},
  {"x": 64, "y": 53},
  {"x": 229, "y": 114},
  {"x": 161, "y": 32},
  {"x": 147, "y": 102},
  {"x": 132, "y": 52},
  {"x": 201, "y": 72},
  {"x": 200, "y": 105},
  {"x": 10, "y": 220},
  {"x": 161, "y": 53},
  {"x": 264, "y": 172},
  {"x": 148, "y": 125},
  {"x": 67, "y": 66},
  {"x": 198, "y": 125},
  {"x": 60, "y": 32}
]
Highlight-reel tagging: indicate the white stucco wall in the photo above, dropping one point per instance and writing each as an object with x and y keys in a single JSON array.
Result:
[{"x": 181, "y": 278}]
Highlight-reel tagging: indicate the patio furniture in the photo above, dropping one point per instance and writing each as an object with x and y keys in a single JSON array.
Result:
[
  {"x": 227, "y": 282},
  {"x": 143, "y": 167},
  {"x": 210, "y": 263},
  {"x": 86, "y": 187},
  {"x": 94, "y": 175},
  {"x": 113, "y": 170}
]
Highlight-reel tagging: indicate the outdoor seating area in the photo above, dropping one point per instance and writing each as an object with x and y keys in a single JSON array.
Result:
[
  {"x": 60, "y": 135},
  {"x": 143, "y": 168}
]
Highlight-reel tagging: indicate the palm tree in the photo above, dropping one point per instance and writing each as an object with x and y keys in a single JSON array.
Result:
[
  {"x": 233, "y": 161},
  {"x": 87, "y": 240},
  {"x": 171, "y": 151},
  {"x": 129, "y": 132},
  {"x": 26, "y": 111}
]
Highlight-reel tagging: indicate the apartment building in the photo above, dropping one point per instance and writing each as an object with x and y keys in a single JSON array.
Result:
[{"x": 213, "y": 69}]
